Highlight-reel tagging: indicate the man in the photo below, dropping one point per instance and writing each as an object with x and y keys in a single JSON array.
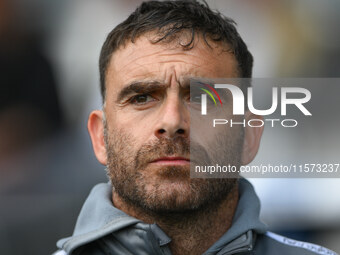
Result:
[{"x": 151, "y": 205}]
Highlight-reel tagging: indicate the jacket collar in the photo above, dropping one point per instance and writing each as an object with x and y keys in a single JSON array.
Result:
[
  {"x": 99, "y": 217},
  {"x": 246, "y": 222}
]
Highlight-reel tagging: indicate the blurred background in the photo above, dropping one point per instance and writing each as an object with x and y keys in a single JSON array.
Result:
[{"x": 49, "y": 82}]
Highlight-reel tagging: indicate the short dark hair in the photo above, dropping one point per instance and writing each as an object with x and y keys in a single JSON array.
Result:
[{"x": 169, "y": 18}]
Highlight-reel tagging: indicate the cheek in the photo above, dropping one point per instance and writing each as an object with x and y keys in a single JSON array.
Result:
[
  {"x": 219, "y": 138},
  {"x": 138, "y": 123},
  {"x": 202, "y": 128},
  {"x": 139, "y": 130}
]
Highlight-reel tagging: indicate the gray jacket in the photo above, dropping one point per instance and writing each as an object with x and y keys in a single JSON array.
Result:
[{"x": 103, "y": 229}]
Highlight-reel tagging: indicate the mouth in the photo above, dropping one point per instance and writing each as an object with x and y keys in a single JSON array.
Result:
[{"x": 171, "y": 161}]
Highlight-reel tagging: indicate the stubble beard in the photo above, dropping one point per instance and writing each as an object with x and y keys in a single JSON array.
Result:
[{"x": 174, "y": 191}]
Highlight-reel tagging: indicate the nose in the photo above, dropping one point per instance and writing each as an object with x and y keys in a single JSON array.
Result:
[{"x": 174, "y": 119}]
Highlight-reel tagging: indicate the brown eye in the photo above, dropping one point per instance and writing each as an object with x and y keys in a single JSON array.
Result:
[
  {"x": 141, "y": 99},
  {"x": 195, "y": 98}
]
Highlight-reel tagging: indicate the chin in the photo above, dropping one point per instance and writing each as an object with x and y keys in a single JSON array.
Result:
[{"x": 171, "y": 196}]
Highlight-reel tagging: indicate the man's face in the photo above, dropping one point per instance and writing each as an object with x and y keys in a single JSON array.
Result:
[{"x": 148, "y": 123}]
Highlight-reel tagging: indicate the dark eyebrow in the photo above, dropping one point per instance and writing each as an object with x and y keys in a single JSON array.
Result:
[
  {"x": 140, "y": 87},
  {"x": 201, "y": 81},
  {"x": 144, "y": 87}
]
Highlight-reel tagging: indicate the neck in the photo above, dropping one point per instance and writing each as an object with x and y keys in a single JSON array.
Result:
[{"x": 191, "y": 232}]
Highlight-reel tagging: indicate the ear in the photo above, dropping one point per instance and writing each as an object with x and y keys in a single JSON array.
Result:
[
  {"x": 95, "y": 127},
  {"x": 252, "y": 138}
]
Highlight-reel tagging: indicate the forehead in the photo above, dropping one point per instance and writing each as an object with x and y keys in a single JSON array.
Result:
[{"x": 143, "y": 60}]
